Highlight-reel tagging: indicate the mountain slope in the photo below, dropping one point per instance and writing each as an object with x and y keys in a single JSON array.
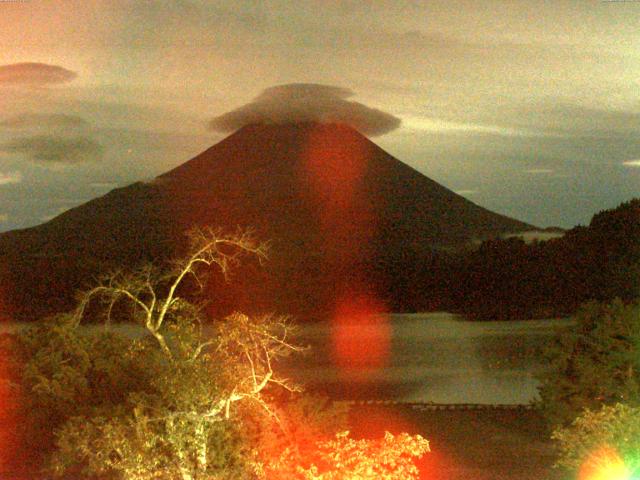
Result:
[{"x": 341, "y": 214}]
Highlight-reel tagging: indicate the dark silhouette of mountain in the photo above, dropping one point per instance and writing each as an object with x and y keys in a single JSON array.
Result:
[{"x": 344, "y": 217}]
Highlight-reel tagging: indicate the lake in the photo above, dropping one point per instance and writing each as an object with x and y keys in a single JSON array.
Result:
[
  {"x": 429, "y": 357},
  {"x": 433, "y": 357}
]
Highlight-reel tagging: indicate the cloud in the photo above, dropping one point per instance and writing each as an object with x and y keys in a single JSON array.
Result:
[
  {"x": 632, "y": 163},
  {"x": 44, "y": 120},
  {"x": 4, "y": 218},
  {"x": 554, "y": 116},
  {"x": 10, "y": 177},
  {"x": 51, "y": 149},
  {"x": 576, "y": 120},
  {"x": 307, "y": 102},
  {"x": 103, "y": 185},
  {"x": 428, "y": 124},
  {"x": 539, "y": 171},
  {"x": 467, "y": 192},
  {"x": 32, "y": 73}
]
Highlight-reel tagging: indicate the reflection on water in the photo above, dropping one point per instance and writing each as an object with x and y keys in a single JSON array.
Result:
[{"x": 435, "y": 357}]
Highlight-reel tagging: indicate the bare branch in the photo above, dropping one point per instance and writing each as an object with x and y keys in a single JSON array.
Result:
[
  {"x": 109, "y": 291},
  {"x": 206, "y": 250},
  {"x": 195, "y": 379},
  {"x": 198, "y": 351}
]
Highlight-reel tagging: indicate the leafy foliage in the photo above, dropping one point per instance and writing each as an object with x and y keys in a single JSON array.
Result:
[
  {"x": 181, "y": 401},
  {"x": 297, "y": 424},
  {"x": 66, "y": 373},
  {"x": 179, "y": 425},
  {"x": 596, "y": 363},
  {"x": 160, "y": 404},
  {"x": 344, "y": 458},
  {"x": 602, "y": 442},
  {"x": 508, "y": 278}
]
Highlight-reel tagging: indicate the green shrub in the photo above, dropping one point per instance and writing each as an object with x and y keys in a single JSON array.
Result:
[
  {"x": 179, "y": 402},
  {"x": 602, "y": 444},
  {"x": 595, "y": 363}
]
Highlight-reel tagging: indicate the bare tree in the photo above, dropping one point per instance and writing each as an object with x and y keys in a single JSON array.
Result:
[
  {"x": 195, "y": 378},
  {"x": 166, "y": 405},
  {"x": 155, "y": 293}
]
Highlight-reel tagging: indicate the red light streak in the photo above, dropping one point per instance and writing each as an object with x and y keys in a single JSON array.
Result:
[{"x": 360, "y": 332}]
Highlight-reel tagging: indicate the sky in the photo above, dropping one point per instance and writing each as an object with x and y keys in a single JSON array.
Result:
[{"x": 530, "y": 108}]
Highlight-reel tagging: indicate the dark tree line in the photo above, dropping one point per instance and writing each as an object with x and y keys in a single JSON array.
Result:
[
  {"x": 508, "y": 278},
  {"x": 499, "y": 279}
]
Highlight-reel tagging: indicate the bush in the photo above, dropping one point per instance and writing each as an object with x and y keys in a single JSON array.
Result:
[
  {"x": 596, "y": 363},
  {"x": 179, "y": 402},
  {"x": 343, "y": 458},
  {"x": 602, "y": 444},
  {"x": 66, "y": 374}
]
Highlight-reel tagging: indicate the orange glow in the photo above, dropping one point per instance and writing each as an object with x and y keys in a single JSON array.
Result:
[
  {"x": 371, "y": 421},
  {"x": 335, "y": 162},
  {"x": 360, "y": 332},
  {"x": 5, "y": 422},
  {"x": 604, "y": 464},
  {"x": 11, "y": 451},
  {"x": 9, "y": 438}
]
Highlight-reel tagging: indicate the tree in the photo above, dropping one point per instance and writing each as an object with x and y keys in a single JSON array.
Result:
[
  {"x": 182, "y": 383},
  {"x": 183, "y": 401},
  {"x": 596, "y": 363},
  {"x": 343, "y": 458},
  {"x": 63, "y": 371},
  {"x": 602, "y": 444}
]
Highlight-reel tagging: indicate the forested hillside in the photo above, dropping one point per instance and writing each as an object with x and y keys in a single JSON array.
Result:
[{"x": 508, "y": 278}]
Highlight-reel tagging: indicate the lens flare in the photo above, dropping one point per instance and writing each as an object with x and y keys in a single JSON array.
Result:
[
  {"x": 360, "y": 332},
  {"x": 605, "y": 464},
  {"x": 10, "y": 444},
  {"x": 335, "y": 162}
]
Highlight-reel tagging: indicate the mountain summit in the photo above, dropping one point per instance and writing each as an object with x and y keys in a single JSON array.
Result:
[{"x": 343, "y": 217}]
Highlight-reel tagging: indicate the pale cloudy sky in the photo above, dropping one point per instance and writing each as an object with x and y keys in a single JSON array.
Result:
[{"x": 528, "y": 107}]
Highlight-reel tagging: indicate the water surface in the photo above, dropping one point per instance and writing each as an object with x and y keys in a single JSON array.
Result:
[{"x": 434, "y": 357}]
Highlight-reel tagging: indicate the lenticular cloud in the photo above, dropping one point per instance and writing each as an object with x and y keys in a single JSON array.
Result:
[
  {"x": 44, "y": 121},
  {"x": 307, "y": 102},
  {"x": 33, "y": 73}
]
